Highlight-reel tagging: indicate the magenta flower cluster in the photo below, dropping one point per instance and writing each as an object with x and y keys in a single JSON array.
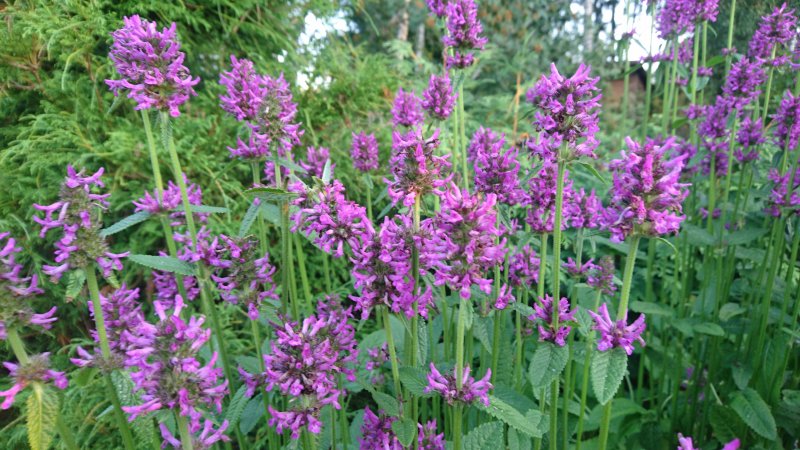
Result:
[
  {"x": 470, "y": 390},
  {"x": 150, "y": 64},
  {"x": 416, "y": 169},
  {"x": 438, "y": 99},
  {"x": 775, "y": 33},
  {"x": 364, "y": 152},
  {"x": 496, "y": 168},
  {"x": 543, "y": 315},
  {"x": 406, "y": 110},
  {"x": 36, "y": 370},
  {"x": 243, "y": 277},
  {"x": 170, "y": 201},
  {"x": 377, "y": 434},
  {"x": 463, "y": 33},
  {"x": 15, "y": 291},
  {"x": 617, "y": 333}
]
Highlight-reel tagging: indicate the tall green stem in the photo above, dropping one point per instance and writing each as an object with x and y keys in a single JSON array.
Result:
[
  {"x": 462, "y": 134},
  {"x": 585, "y": 378},
  {"x": 262, "y": 229},
  {"x": 392, "y": 351},
  {"x": 183, "y": 429},
  {"x": 556, "y": 291}
]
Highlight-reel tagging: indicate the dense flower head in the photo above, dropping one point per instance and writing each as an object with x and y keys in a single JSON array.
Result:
[
  {"x": 749, "y": 136},
  {"x": 167, "y": 374},
  {"x": 567, "y": 114},
  {"x": 617, "y": 333},
  {"x": 314, "y": 164},
  {"x": 470, "y": 391},
  {"x": 437, "y": 8},
  {"x": 377, "y": 357},
  {"x": 407, "y": 109},
  {"x": 504, "y": 297},
  {"x": 782, "y": 200},
  {"x": 742, "y": 86},
  {"x": 543, "y": 313},
  {"x": 541, "y": 198},
  {"x": 601, "y": 275},
  {"x": 333, "y": 220},
  {"x": 170, "y": 201},
  {"x": 775, "y": 30},
  {"x": 685, "y": 443},
  {"x": 496, "y": 168},
  {"x": 382, "y": 270},
  {"x": 647, "y": 195},
  {"x": 438, "y": 99},
  {"x": 585, "y": 210},
  {"x": 36, "y": 370},
  {"x": 265, "y": 103},
  {"x": 203, "y": 438},
  {"x": 151, "y": 66},
  {"x": 244, "y": 277},
  {"x": 787, "y": 120},
  {"x": 523, "y": 269},
  {"x": 376, "y": 432},
  {"x": 680, "y": 16},
  {"x": 77, "y": 214},
  {"x": 416, "y": 170},
  {"x": 428, "y": 438},
  {"x": 364, "y": 152},
  {"x": 464, "y": 33},
  {"x": 16, "y": 289},
  {"x": 121, "y": 313},
  {"x": 256, "y": 147},
  {"x": 304, "y": 364},
  {"x": 576, "y": 269},
  {"x": 463, "y": 242}
]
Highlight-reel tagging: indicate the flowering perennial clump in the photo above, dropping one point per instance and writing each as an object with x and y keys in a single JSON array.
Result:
[{"x": 151, "y": 66}]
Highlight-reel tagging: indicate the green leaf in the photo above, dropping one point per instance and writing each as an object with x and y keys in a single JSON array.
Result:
[
  {"x": 75, "y": 282},
  {"x": 525, "y": 310},
  {"x": 271, "y": 212},
  {"x": 486, "y": 436},
  {"x": 698, "y": 237},
  {"x": 533, "y": 423},
  {"x": 755, "y": 413},
  {"x": 271, "y": 194},
  {"x": 251, "y": 414},
  {"x": 715, "y": 60},
  {"x": 127, "y": 222},
  {"x": 745, "y": 236},
  {"x": 205, "y": 209},
  {"x": 709, "y": 328},
  {"x": 726, "y": 424},
  {"x": 480, "y": 329},
  {"x": 291, "y": 165},
  {"x": 730, "y": 310},
  {"x": 741, "y": 375},
  {"x": 405, "y": 430},
  {"x": 236, "y": 406},
  {"x": 327, "y": 173},
  {"x": 517, "y": 442},
  {"x": 249, "y": 217},
  {"x": 42, "y": 409},
  {"x": 387, "y": 403},
  {"x": 547, "y": 363},
  {"x": 608, "y": 370},
  {"x": 164, "y": 263},
  {"x": 650, "y": 308},
  {"x": 415, "y": 380},
  {"x": 593, "y": 171}
]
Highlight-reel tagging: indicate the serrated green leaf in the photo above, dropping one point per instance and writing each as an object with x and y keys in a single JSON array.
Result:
[
  {"x": 547, "y": 363},
  {"x": 75, "y": 282},
  {"x": 745, "y": 236},
  {"x": 480, "y": 330},
  {"x": 236, "y": 406},
  {"x": 525, "y": 310},
  {"x": 415, "y": 380},
  {"x": 387, "y": 403},
  {"x": 405, "y": 430},
  {"x": 125, "y": 223},
  {"x": 755, "y": 412},
  {"x": 251, "y": 414},
  {"x": 533, "y": 423},
  {"x": 698, "y": 237},
  {"x": 715, "y": 60},
  {"x": 249, "y": 217},
  {"x": 741, "y": 375},
  {"x": 42, "y": 408},
  {"x": 709, "y": 328},
  {"x": 725, "y": 423},
  {"x": 650, "y": 308},
  {"x": 484, "y": 437},
  {"x": 608, "y": 369},
  {"x": 164, "y": 263},
  {"x": 517, "y": 441}
]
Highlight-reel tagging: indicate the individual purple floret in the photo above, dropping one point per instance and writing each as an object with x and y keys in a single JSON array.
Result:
[
  {"x": 567, "y": 114},
  {"x": 781, "y": 201},
  {"x": 77, "y": 214},
  {"x": 463, "y": 33},
  {"x": 787, "y": 120},
  {"x": 36, "y": 370},
  {"x": 462, "y": 244},
  {"x": 332, "y": 219},
  {"x": 496, "y": 169},
  {"x": 364, "y": 152},
  {"x": 16, "y": 290},
  {"x": 523, "y": 270},
  {"x": 617, "y": 333},
  {"x": 172, "y": 201},
  {"x": 316, "y": 158},
  {"x": 647, "y": 195},
  {"x": 167, "y": 374},
  {"x": 416, "y": 170},
  {"x": 438, "y": 99},
  {"x": 470, "y": 390},
  {"x": 305, "y": 364},
  {"x": 244, "y": 278},
  {"x": 265, "y": 103},
  {"x": 775, "y": 32},
  {"x": 601, "y": 276},
  {"x": 407, "y": 109},
  {"x": 377, "y": 432},
  {"x": 151, "y": 66},
  {"x": 749, "y": 137},
  {"x": 685, "y": 443},
  {"x": 543, "y": 312}
]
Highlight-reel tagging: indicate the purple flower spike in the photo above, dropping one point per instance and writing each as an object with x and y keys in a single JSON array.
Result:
[
  {"x": 543, "y": 311},
  {"x": 541, "y": 198},
  {"x": 207, "y": 437},
  {"x": 461, "y": 245},
  {"x": 36, "y": 370},
  {"x": 787, "y": 118},
  {"x": 377, "y": 432},
  {"x": 567, "y": 114},
  {"x": 647, "y": 194},
  {"x": 438, "y": 100},
  {"x": 601, "y": 276},
  {"x": 151, "y": 65},
  {"x": 524, "y": 267},
  {"x": 316, "y": 158},
  {"x": 364, "y": 152},
  {"x": 438, "y": 8},
  {"x": 743, "y": 84},
  {"x": 470, "y": 390},
  {"x": 617, "y": 333},
  {"x": 464, "y": 33},
  {"x": 677, "y": 17},
  {"x": 427, "y": 438},
  {"x": 172, "y": 200},
  {"x": 242, "y": 277},
  {"x": 504, "y": 297},
  {"x": 749, "y": 137},
  {"x": 16, "y": 289},
  {"x": 781, "y": 199},
  {"x": 585, "y": 210},
  {"x": 496, "y": 169},
  {"x": 416, "y": 170},
  {"x": 775, "y": 31},
  {"x": 407, "y": 109}
]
